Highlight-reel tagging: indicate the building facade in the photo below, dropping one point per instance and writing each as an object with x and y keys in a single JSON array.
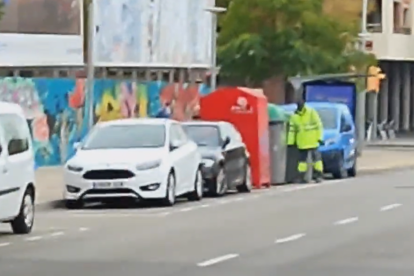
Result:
[{"x": 392, "y": 41}]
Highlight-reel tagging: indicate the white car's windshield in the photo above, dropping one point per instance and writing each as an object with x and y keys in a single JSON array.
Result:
[{"x": 125, "y": 137}]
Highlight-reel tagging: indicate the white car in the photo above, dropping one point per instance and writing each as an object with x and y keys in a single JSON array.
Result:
[{"x": 142, "y": 159}]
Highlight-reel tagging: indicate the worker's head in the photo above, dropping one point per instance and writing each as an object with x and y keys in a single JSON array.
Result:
[{"x": 301, "y": 103}]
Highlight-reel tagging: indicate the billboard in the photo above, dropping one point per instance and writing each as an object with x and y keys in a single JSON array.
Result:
[
  {"x": 153, "y": 33},
  {"x": 41, "y": 33}
]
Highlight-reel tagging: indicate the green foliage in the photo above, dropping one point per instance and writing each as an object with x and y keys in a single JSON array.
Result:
[
  {"x": 1, "y": 8},
  {"x": 264, "y": 38}
]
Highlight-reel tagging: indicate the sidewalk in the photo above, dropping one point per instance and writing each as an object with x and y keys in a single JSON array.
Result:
[{"x": 50, "y": 180}]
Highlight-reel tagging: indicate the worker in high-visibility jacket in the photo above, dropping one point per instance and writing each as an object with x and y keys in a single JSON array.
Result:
[{"x": 307, "y": 129}]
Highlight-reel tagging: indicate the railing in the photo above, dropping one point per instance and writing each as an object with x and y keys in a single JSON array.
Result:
[{"x": 385, "y": 130}]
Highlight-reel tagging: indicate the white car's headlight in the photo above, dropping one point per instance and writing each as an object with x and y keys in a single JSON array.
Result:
[
  {"x": 208, "y": 163},
  {"x": 74, "y": 168},
  {"x": 148, "y": 165}
]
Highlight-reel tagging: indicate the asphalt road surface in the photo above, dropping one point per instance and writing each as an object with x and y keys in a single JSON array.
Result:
[{"x": 354, "y": 227}]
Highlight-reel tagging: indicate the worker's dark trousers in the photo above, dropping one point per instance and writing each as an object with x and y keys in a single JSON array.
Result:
[{"x": 315, "y": 160}]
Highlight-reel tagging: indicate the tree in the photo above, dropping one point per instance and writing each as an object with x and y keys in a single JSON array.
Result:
[
  {"x": 1, "y": 9},
  {"x": 265, "y": 38}
]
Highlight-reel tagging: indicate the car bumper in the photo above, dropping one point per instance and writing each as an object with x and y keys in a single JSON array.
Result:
[
  {"x": 150, "y": 184},
  {"x": 209, "y": 176}
]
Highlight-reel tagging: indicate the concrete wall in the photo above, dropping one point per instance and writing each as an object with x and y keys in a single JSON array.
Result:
[{"x": 57, "y": 110}]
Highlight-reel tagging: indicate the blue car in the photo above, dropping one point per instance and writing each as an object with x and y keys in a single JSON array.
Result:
[{"x": 339, "y": 136}]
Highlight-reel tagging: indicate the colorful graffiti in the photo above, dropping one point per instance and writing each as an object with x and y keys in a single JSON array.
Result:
[{"x": 58, "y": 110}]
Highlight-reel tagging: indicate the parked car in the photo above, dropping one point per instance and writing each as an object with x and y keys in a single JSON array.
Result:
[
  {"x": 225, "y": 157},
  {"x": 17, "y": 170},
  {"x": 339, "y": 134},
  {"x": 139, "y": 159}
]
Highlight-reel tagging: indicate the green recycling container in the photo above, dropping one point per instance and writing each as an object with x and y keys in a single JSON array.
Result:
[{"x": 277, "y": 143}]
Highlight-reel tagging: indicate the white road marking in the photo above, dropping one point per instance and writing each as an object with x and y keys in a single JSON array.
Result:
[
  {"x": 186, "y": 209},
  {"x": 239, "y": 199},
  {"x": 35, "y": 238},
  {"x": 217, "y": 260},
  {"x": 291, "y": 238},
  {"x": 57, "y": 234},
  {"x": 205, "y": 206},
  {"x": 346, "y": 221},
  {"x": 83, "y": 229},
  {"x": 4, "y": 244},
  {"x": 222, "y": 202},
  {"x": 390, "y": 207},
  {"x": 163, "y": 214}
]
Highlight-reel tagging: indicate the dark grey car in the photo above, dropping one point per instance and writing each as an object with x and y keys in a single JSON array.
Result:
[{"x": 225, "y": 159}]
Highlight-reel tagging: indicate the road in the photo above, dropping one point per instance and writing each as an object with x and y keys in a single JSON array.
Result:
[{"x": 358, "y": 227}]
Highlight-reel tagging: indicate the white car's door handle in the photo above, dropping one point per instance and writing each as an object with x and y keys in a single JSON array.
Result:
[{"x": 4, "y": 170}]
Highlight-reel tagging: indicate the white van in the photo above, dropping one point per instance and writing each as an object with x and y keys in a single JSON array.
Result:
[{"x": 17, "y": 172}]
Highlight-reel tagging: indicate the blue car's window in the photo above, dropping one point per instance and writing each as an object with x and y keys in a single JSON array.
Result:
[{"x": 329, "y": 117}]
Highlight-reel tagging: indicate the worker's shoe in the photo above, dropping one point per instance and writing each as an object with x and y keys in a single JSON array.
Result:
[
  {"x": 318, "y": 177},
  {"x": 302, "y": 178}
]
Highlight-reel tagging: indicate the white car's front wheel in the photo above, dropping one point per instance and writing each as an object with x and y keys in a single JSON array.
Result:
[
  {"x": 169, "y": 199},
  {"x": 197, "y": 193},
  {"x": 23, "y": 223}
]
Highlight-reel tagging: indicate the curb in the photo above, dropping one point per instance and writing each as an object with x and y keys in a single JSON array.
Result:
[
  {"x": 60, "y": 204},
  {"x": 53, "y": 204},
  {"x": 384, "y": 170},
  {"x": 390, "y": 145}
]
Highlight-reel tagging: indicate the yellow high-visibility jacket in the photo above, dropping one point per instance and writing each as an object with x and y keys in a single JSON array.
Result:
[{"x": 307, "y": 128}]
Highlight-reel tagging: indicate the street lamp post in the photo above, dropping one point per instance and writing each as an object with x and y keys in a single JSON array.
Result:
[
  {"x": 361, "y": 97},
  {"x": 91, "y": 62},
  {"x": 214, "y": 12}
]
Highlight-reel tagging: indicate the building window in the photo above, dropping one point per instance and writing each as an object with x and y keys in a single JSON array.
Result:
[
  {"x": 402, "y": 18},
  {"x": 16, "y": 133},
  {"x": 374, "y": 19}
]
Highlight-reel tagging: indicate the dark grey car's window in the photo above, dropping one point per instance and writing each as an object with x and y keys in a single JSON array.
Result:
[
  {"x": 125, "y": 137},
  {"x": 329, "y": 117},
  {"x": 204, "y": 136}
]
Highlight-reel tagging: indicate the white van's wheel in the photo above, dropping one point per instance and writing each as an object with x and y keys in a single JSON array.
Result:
[{"x": 23, "y": 223}]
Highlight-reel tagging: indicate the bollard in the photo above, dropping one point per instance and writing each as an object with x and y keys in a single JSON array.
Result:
[{"x": 309, "y": 171}]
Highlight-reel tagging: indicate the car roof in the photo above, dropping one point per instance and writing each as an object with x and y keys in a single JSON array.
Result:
[
  {"x": 138, "y": 121},
  {"x": 6, "y": 107},
  {"x": 204, "y": 123},
  {"x": 292, "y": 107}
]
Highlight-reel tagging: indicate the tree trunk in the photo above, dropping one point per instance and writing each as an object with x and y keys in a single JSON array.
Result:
[{"x": 274, "y": 89}]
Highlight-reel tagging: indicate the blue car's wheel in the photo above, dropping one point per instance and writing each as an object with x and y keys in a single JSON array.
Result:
[{"x": 340, "y": 171}]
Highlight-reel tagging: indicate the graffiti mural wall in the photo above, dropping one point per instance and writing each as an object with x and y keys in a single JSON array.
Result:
[{"x": 58, "y": 110}]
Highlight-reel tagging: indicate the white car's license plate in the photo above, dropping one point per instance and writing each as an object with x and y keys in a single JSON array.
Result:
[{"x": 108, "y": 185}]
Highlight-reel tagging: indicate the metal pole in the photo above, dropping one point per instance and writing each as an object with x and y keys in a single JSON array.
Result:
[
  {"x": 374, "y": 132},
  {"x": 361, "y": 96},
  {"x": 213, "y": 77},
  {"x": 91, "y": 63}
]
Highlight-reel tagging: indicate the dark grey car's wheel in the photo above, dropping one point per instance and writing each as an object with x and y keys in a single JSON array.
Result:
[
  {"x": 247, "y": 185},
  {"x": 219, "y": 184}
]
